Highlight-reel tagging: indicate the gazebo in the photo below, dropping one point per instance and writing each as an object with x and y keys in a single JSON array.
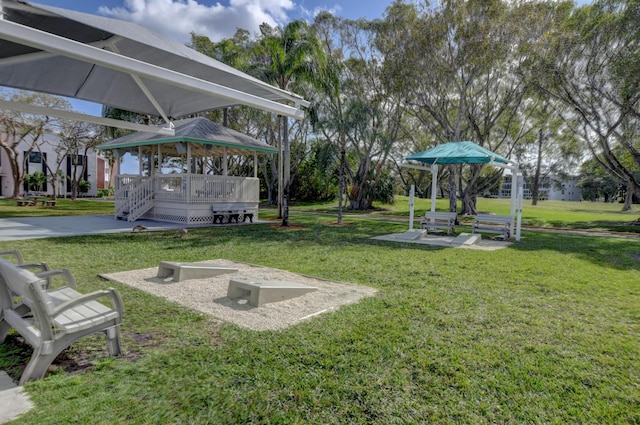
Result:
[
  {"x": 187, "y": 196},
  {"x": 468, "y": 153}
]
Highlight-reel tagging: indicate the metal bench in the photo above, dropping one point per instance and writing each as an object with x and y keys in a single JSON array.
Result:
[
  {"x": 56, "y": 317},
  {"x": 492, "y": 223},
  {"x": 439, "y": 220}
]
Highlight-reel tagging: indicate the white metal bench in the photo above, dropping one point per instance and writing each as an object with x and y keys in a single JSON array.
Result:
[
  {"x": 439, "y": 220},
  {"x": 491, "y": 223},
  {"x": 58, "y": 317}
]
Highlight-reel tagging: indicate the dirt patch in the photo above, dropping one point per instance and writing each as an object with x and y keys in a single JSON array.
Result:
[{"x": 209, "y": 296}]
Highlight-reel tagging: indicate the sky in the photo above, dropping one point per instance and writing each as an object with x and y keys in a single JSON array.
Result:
[{"x": 177, "y": 19}]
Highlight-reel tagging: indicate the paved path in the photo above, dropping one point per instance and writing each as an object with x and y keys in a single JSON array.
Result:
[
  {"x": 13, "y": 402},
  {"x": 49, "y": 227}
]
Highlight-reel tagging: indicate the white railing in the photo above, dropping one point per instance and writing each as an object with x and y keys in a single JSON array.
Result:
[
  {"x": 140, "y": 198},
  {"x": 206, "y": 189},
  {"x": 135, "y": 195}
]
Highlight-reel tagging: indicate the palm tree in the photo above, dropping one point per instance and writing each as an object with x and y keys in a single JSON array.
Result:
[{"x": 290, "y": 57}]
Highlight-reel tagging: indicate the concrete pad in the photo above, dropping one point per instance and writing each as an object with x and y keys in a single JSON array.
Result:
[
  {"x": 185, "y": 271},
  {"x": 412, "y": 235},
  {"x": 447, "y": 241},
  {"x": 13, "y": 402},
  {"x": 466, "y": 239},
  {"x": 266, "y": 292}
]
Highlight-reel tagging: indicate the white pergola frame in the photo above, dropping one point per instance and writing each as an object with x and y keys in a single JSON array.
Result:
[
  {"x": 517, "y": 185},
  {"x": 53, "y": 44}
]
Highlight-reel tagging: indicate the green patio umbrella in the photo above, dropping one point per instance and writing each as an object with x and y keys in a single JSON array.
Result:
[{"x": 462, "y": 153}]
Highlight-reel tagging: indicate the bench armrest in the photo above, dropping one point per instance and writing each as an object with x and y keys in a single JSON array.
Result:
[
  {"x": 92, "y": 296},
  {"x": 16, "y": 254},
  {"x": 48, "y": 274}
]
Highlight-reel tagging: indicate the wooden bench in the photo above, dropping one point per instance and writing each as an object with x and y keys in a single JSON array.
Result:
[
  {"x": 48, "y": 203},
  {"x": 57, "y": 317},
  {"x": 439, "y": 220},
  {"x": 491, "y": 223}
]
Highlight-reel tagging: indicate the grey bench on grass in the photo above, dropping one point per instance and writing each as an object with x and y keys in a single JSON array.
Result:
[
  {"x": 266, "y": 292},
  {"x": 50, "y": 320},
  {"x": 491, "y": 223},
  {"x": 439, "y": 220}
]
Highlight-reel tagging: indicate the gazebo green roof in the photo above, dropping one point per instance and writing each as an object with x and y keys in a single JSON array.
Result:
[{"x": 205, "y": 137}]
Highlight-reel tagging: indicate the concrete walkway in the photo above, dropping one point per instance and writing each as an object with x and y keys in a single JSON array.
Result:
[
  {"x": 50, "y": 227},
  {"x": 13, "y": 402}
]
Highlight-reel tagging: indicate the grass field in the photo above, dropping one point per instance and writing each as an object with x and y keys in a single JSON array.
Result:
[{"x": 545, "y": 331}]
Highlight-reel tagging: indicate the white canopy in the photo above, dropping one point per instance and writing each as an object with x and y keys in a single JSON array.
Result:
[{"x": 120, "y": 64}]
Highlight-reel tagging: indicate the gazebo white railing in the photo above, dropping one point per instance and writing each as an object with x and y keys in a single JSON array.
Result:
[{"x": 184, "y": 198}]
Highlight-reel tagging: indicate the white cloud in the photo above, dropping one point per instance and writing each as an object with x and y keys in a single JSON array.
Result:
[{"x": 176, "y": 19}]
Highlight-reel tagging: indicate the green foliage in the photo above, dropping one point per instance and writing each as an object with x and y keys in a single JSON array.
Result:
[
  {"x": 316, "y": 178},
  {"x": 595, "y": 182},
  {"x": 84, "y": 186},
  {"x": 103, "y": 193},
  {"x": 35, "y": 180}
]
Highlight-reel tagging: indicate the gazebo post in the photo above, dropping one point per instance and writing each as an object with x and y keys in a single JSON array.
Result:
[
  {"x": 159, "y": 159},
  {"x": 225, "y": 161},
  {"x": 255, "y": 164},
  {"x": 140, "y": 161},
  {"x": 188, "y": 185}
]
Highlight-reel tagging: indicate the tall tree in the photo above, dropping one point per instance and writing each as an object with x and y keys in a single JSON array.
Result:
[
  {"x": 595, "y": 71},
  {"x": 291, "y": 56},
  {"x": 462, "y": 63},
  {"x": 19, "y": 129},
  {"x": 76, "y": 139}
]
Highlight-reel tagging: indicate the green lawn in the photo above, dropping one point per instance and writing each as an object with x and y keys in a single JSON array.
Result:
[
  {"x": 63, "y": 207},
  {"x": 545, "y": 331}
]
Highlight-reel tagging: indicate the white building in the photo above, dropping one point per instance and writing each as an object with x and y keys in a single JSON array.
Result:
[
  {"x": 549, "y": 190},
  {"x": 97, "y": 172}
]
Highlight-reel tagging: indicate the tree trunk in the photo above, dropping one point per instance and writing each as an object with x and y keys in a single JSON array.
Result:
[
  {"x": 535, "y": 189},
  {"x": 628, "y": 197}
]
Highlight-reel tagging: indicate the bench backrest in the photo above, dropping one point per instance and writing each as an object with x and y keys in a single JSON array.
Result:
[
  {"x": 27, "y": 286},
  {"x": 492, "y": 218},
  {"x": 441, "y": 215}
]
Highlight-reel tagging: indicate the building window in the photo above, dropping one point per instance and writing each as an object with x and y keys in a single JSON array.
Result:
[{"x": 35, "y": 157}]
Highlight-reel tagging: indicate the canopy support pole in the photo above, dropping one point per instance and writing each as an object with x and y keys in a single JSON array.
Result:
[
  {"x": 434, "y": 186},
  {"x": 520, "y": 193},
  {"x": 412, "y": 193}
]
